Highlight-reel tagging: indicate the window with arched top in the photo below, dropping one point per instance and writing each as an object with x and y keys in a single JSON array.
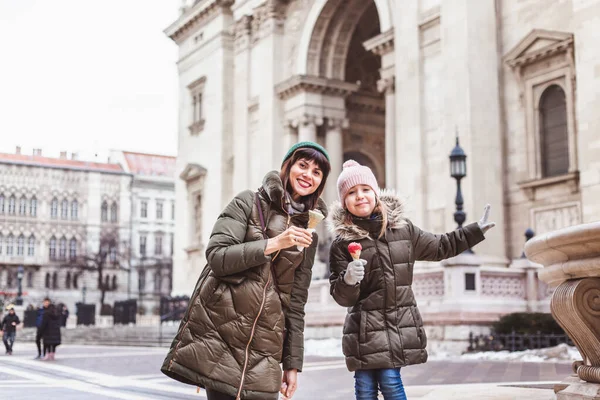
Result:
[
  {"x": 114, "y": 282},
  {"x": 68, "y": 281},
  {"x": 1, "y": 203},
  {"x": 52, "y": 248},
  {"x": 104, "y": 212},
  {"x": 9, "y": 245},
  {"x": 1, "y": 243},
  {"x": 31, "y": 245},
  {"x": 64, "y": 209},
  {"x": 55, "y": 280},
  {"x": 47, "y": 282},
  {"x": 106, "y": 282},
  {"x": 62, "y": 248},
  {"x": 12, "y": 204},
  {"x": 74, "y": 209},
  {"x": 72, "y": 249},
  {"x": 22, "y": 205},
  {"x": 21, "y": 245},
  {"x": 33, "y": 206},
  {"x": 113, "y": 212},
  {"x": 554, "y": 132},
  {"x": 29, "y": 279},
  {"x": 54, "y": 208}
]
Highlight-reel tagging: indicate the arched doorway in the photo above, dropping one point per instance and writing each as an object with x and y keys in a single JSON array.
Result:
[{"x": 337, "y": 52}]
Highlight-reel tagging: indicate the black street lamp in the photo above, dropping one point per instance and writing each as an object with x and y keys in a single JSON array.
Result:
[
  {"x": 83, "y": 292},
  {"x": 19, "y": 300},
  {"x": 458, "y": 170}
]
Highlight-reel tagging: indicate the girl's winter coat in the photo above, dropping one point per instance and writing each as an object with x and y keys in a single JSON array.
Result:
[
  {"x": 232, "y": 337},
  {"x": 383, "y": 327}
]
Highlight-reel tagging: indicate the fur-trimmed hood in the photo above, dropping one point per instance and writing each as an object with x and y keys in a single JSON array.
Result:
[{"x": 337, "y": 216}]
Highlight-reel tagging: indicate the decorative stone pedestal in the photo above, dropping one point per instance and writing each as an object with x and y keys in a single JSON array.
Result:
[{"x": 571, "y": 258}]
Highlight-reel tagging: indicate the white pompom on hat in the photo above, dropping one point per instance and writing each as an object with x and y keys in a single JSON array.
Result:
[{"x": 355, "y": 174}]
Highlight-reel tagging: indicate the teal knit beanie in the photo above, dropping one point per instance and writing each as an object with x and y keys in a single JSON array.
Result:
[{"x": 301, "y": 145}]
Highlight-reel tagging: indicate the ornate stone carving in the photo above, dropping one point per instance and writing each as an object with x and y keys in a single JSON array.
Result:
[
  {"x": 576, "y": 307},
  {"x": 558, "y": 217},
  {"x": 314, "y": 84},
  {"x": 503, "y": 286},
  {"x": 196, "y": 16},
  {"x": 571, "y": 259},
  {"x": 387, "y": 85},
  {"x": 431, "y": 285}
]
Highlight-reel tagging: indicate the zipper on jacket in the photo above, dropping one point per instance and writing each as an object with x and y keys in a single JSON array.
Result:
[{"x": 260, "y": 310}]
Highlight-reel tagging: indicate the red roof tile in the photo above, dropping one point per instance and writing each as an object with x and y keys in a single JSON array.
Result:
[
  {"x": 150, "y": 164},
  {"x": 41, "y": 161}
]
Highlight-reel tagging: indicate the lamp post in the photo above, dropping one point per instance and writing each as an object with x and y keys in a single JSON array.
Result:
[
  {"x": 19, "y": 300},
  {"x": 458, "y": 170},
  {"x": 83, "y": 292}
]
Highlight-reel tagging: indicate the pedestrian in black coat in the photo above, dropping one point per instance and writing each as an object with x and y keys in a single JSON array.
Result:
[{"x": 51, "y": 331}]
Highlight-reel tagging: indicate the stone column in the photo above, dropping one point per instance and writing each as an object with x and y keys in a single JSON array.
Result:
[
  {"x": 388, "y": 86},
  {"x": 571, "y": 262},
  {"x": 307, "y": 127},
  {"x": 334, "y": 146}
]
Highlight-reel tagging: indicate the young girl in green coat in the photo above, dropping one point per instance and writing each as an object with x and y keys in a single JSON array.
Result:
[{"x": 383, "y": 330}]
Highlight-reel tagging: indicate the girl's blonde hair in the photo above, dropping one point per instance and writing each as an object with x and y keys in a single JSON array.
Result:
[{"x": 380, "y": 208}]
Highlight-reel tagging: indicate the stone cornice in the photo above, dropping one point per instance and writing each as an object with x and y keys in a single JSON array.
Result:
[
  {"x": 366, "y": 102},
  {"x": 381, "y": 44},
  {"x": 314, "y": 84},
  {"x": 195, "y": 16}
]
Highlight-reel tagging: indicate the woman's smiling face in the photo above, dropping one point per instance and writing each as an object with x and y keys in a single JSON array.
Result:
[
  {"x": 305, "y": 178},
  {"x": 361, "y": 201}
]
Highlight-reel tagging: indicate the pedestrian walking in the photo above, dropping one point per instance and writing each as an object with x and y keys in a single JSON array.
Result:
[
  {"x": 9, "y": 329},
  {"x": 38, "y": 324},
  {"x": 383, "y": 330},
  {"x": 51, "y": 331}
]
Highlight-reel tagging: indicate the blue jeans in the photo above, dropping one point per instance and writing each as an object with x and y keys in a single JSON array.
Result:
[
  {"x": 9, "y": 339},
  {"x": 368, "y": 382}
]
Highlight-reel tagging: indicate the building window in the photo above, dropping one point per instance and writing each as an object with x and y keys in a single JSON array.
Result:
[
  {"x": 33, "y": 207},
  {"x": 55, "y": 280},
  {"x": 64, "y": 209},
  {"x": 9, "y": 245},
  {"x": 1, "y": 204},
  {"x": 144, "y": 209},
  {"x": 23, "y": 206},
  {"x": 1, "y": 242},
  {"x": 172, "y": 244},
  {"x": 554, "y": 133},
  {"x": 73, "y": 249},
  {"x": 62, "y": 248},
  {"x": 106, "y": 282},
  {"x": 9, "y": 278},
  {"x": 75, "y": 281},
  {"x": 54, "y": 208},
  {"x": 157, "y": 282},
  {"x": 31, "y": 246},
  {"x": 469, "y": 281},
  {"x": 52, "y": 248},
  {"x": 158, "y": 244},
  {"x": 197, "y": 106},
  {"x": 12, "y": 205},
  {"x": 159, "y": 210},
  {"x": 172, "y": 211},
  {"x": 142, "y": 245},
  {"x": 141, "y": 280},
  {"x": 29, "y": 279},
  {"x": 114, "y": 282},
  {"x": 113, "y": 254},
  {"x": 113, "y": 212},
  {"x": 47, "y": 282},
  {"x": 543, "y": 63},
  {"x": 104, "y": 212},
  {"x": 74, "y": 209},
  {"x": 68, "y": 281},
  {"x": 21, "y": 245}
]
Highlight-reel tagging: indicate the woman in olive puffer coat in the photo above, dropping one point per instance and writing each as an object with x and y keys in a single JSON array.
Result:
[
  {"x": 246, "y": 315},
  {"x": 383, "y": 330}
]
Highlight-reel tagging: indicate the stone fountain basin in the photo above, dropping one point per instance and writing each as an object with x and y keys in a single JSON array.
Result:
[{"x": 568, "y": 253}]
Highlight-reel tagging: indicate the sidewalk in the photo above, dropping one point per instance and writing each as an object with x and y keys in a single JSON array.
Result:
[{"x": 499, "y": 391}]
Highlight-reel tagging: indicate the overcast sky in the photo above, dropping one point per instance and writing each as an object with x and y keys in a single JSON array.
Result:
[{"x": 87, "y": 76}]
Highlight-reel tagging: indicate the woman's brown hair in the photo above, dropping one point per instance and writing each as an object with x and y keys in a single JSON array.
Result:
[{"x": 309, "y": 154}]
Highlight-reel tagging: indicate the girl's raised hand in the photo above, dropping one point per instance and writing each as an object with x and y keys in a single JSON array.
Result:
[{"x": 483, "y": 223}]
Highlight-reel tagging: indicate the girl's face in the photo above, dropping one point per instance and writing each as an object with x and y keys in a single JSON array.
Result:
[
  {"x": 360, "y": 201},
  {"x": 305, "y": 178}
]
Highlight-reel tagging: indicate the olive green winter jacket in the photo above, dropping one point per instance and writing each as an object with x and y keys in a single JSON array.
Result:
[
  {"x": 383, "y": 327},
  {"x": 232, "y": 337}
]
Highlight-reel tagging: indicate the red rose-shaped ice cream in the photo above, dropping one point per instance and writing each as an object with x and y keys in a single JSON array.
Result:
[{"x": 354, "y": 249}]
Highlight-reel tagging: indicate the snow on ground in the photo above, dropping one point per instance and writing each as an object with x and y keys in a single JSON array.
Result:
[{"x": 333, "y": 348}]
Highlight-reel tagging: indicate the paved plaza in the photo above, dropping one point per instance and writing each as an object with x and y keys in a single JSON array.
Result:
[{"x": 132, "y": 373}]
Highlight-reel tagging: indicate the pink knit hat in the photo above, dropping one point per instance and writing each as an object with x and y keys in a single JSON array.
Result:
[{"x": 355, "y": 174}]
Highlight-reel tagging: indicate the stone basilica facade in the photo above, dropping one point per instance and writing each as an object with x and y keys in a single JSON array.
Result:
[{"x": 390, "y": 84}]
